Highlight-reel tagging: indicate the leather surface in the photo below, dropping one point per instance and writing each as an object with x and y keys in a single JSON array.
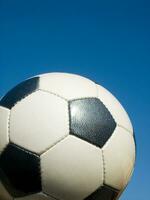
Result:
[
  {"x": 4, "y": 126},
  {"x": 39, "y": 121},
  {"x": 90, "y": 120},
  {"x": 19, "y": 92},
  {"x": 20, "y": 171},
  {"x": 103, "y": 193},
  {"x": 4, "y": 195},
  {"x": 68, "y": 86},
  {"x": 113, "y": 105},
  {"x": 119, "y": 158},
  {"x": 72, "y": 169},
  {"x": 38, "y": 196}
]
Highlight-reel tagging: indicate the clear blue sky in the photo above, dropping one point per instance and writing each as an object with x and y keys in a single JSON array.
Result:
[{"x": 107, "y": 41}]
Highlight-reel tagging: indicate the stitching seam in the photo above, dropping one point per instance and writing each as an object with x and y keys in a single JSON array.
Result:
[
  {"x": 125, "y": 129},
  {"x": 53, "y": 94},
  {"x": 24, "y": 98},
  {"x": 41, "y": 171},
  {"x": 104, "y": 167},
  {"x": 105, "y": 106},
  {"x": 68, "y": 111},
  {"x": 103, "y": 159},
  {"x": 82, "y": 98},
  {"x": 8, "y": 134},
  {"x": 69, "y": 117},
  {"x": 23, "y": 149},
  {"x": 49, "y": 195},
  {"x": 61, "y": 139}
]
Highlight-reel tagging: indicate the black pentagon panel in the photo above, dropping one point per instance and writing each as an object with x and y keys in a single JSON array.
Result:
[
  {"x": 20, "y": 171},
  {"x": 19, "y": 92},
  {"x": 104, "y": 193},
  {"x": 91, "y": 121}
]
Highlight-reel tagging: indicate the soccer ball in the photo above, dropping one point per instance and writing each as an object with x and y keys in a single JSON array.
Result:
[{"x": 63, "y": 137}]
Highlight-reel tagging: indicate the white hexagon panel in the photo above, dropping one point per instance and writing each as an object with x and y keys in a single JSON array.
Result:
[
  {"x": 119, "y": 158},
  {"x": 34, "y": 119}
]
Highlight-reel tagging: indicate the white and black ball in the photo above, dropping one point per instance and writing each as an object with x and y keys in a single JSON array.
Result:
[{"x": 63, "y": 137}]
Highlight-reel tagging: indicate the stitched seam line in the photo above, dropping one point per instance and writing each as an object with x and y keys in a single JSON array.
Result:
[
  {"x": 53, "y": 94},
  {"x": 54, "y": 144},
  {"x": 125, "y": 129},
  {"x": 110, "y": 136},
  {"x": 82, "y": 98},
  {"x": 68, "y": 121},
  {"x": 104, "y": 167},
  {"x": 24, "y": 98},
  {"x": 8, "y": 134},
  {"x": 50, "y": 195},
  {"x": 105, "y": 105},
  {"x": 111, "y": 114},
  {"x": 23, "y": 149},
  {"x": 42, "y": 172},
  {"x": 103, "y": 160}
]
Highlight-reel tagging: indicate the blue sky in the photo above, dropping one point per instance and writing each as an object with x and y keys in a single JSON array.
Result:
[{"x": 106, "y": 41}]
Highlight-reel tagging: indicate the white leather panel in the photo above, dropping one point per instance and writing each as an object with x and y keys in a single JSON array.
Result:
[
  {"x": 39, "y": 121},
  {"x": 119, "y": 158},
  {"x": 69, "y": 86},
  {"x": 72, "y": 169}
]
